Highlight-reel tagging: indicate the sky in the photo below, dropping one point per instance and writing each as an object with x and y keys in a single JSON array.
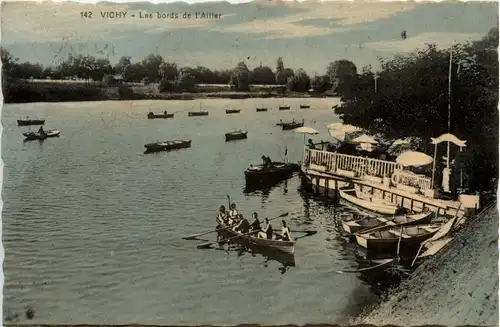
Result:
[{"x": 306, "y": 35}]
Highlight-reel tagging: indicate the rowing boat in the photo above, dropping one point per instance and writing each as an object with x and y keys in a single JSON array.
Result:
[
  {"x": 258, "y": 176},
  {"x": 236, "y": 135},
  {"x": 284, "y": 107},
  {"x": 152, "y": 115},
  {"x": 305, "y": 106},
  {"x": 354, "y": 226},
  {"x": 233, "y": 111},
  {"x": 261, "y": 109},
  {"x": 167, "y": 146},
  {"x": 30, "y": 136},
  {"x": 369, "y": 202},
  {"x": 292, "y": 125},
  {"x": 388, "y": 238},
  {"x": 29, "y": 122},
  {"x": 197, "y": 113},
  {"x": 249, "y": 240}
]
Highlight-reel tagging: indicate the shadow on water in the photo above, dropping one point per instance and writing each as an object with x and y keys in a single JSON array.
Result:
[{"x": 265, "y": 190}]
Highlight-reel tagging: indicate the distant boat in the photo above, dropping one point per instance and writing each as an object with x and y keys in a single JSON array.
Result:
[
  {"x": 236, "y": 135},
  {"x": 258, "y": 176},
  {"x": 197, "y": 113},
  {"x": 28, "y": 122},
  {"x": 30, "y": 136},
  {"x": 305, "y": 106},
  {"x": 233, "y": 111},
  {"x": 284, "y": 107},
  {"x": 152, "y": 115},
  {"x": 167, "y": 146},
  {"x": 292, "y": 125},
  {"x": 261, "y": 109}
]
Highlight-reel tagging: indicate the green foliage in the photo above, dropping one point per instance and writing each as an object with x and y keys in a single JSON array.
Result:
[
  {"x": 108, "y": 80},
  {"x": 299, "y": 82},
  {"x": 168, "y": 70},
  {"x": 263, "y": 75},
  {"x": 320, "y": 84},
  {"x": 341, "y": 73},
  {"x": 240, "y": 77},
  {"x": 151, "y": 65},
  {"x": 186, "y": 82},
  {"x": 412, "y": 100},
  {"x": 166, "y": 86}
]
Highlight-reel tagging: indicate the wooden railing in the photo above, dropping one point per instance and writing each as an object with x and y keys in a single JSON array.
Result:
[{"x": 337, "y": 163}]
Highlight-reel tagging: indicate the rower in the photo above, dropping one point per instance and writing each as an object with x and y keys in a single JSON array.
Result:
[
  {"x": 269, "y": 161},
  {"x": 243, "y": 225},
  {"x": 165, "y": 112},
  {"x": 268, "y": 230},
  {"x": 255, "y": 226},
  {"x": 222, "y": 216},
  {"x": 285, "y": 232},
  {"x": 233, "y": 212},
  {"x": 41, "y": 131}
]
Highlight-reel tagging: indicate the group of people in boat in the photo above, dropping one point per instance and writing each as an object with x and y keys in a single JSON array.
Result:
[
  {"x": 240, "y": 224},
  {"x": 266, "y": 162}
]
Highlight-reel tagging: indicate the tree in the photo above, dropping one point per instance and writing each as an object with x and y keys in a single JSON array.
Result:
[
  {"x": 320, "y": 84},
  {"x": 151, "y": 65},
  {"x": 280, "y": 75},
  {"x": 299, "y": 82},
  {"x": 263, "y": 75},
  {"x": 186, "y": 82},
  {"x": 241, "y": 77},
  {"x": 168, "y": 70},
  {"x": 341, "y": 73}
]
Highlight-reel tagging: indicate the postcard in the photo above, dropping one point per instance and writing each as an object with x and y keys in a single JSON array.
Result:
[{"x": 263, "y": 162}]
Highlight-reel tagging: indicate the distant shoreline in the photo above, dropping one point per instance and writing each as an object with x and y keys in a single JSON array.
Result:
[{"x": 29, "y": 92}]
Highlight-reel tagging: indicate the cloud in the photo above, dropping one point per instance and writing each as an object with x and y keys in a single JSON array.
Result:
[
  {"x": 442, "y": 40},
  {"x": 312, "y": 18}
]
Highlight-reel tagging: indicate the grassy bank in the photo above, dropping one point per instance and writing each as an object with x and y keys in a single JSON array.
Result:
[
  {"x": 458, "y": 286},
  {"x": 68, "y": 91}
]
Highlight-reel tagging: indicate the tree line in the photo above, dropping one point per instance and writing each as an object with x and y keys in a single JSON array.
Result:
[
  {"x": 411, "y": 99},
  {"x": 154, "y": 69}
]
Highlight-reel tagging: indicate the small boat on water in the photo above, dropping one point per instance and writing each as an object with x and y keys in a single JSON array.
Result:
[
  {"x": 388, "y": 238},
  {"x": 261, "y": 109},
  {"x": 304, "y": 106},
  {"x": 233, "y": 111},
  {"x": 369, "y": 202},
  {"x": 197, "y": 113},
  {"x": 364, "y": 223},
  {"x": 259, "y": 176},
  {"x": 292, "y": 125},
  {"x": 30, "y": 122},
  {"x": 278, "y": 245},
  {"x": 30, "y": 136},
  {"x": 165, "y": 115},
  {"x": 236, "y": 135},
  {"x": 167, "y": 146},
  {"x": 284, "y": 107}
]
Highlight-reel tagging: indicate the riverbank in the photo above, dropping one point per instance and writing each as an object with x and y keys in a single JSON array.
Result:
[
  {"x": 458, "y": 286},
  {"x": 56, "y": 91}
]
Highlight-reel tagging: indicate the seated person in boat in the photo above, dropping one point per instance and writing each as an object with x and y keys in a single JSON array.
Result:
[
  {"x": 165, "y": 112},
  {"x": 268, "y": 230},
  {"x": 222, "y": 216},
  {"x": 41, "y": 131},
  {"x": 233, "y": 212},
  {"x": 285, "y": 232},
  {"x": 310, "y": 144},
  {"x": 243, "y": 225},
  {"x": 255, "y": 226},
  {"x": 293, "y": 121}
]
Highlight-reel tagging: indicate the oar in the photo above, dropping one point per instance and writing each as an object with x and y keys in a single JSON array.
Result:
[
  {"x": 205, "y": 245},
  {"x": 193, "y": 236}
]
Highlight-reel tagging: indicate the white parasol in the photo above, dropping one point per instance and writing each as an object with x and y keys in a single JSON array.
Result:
[
  {"x": 306, "y": 130},
  {"x": 413, "y": 158},
  {"x": 343, "y": 128},
  {"x": 365, "y": 139}
]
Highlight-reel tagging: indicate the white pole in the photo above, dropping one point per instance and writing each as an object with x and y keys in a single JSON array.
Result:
[
  {"x": 449, "y": 106},
  {"x": 434, "y": 166}
]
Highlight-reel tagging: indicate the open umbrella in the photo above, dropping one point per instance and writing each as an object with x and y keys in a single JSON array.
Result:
[
  {"x": 365, "y": 139},
  {"x": 342, "y": 127},
  {"x": 306, "y": 130},
  {"x": 413, "y": 158}
]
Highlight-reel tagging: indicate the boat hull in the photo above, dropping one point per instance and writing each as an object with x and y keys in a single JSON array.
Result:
[
  {"x": 284, "y": 108},
  {"x": 305, "y": 107},
  {"x": 155, "y": 116},
  {"x": 233, "y": 111},
  {"x": 282, "y": 246},
  {"x": 197, "y": 113},
  {"x": 290, "y": 126},
  {"x": 256, "y": 176},
  {"x": 355, "y": 226},
  {"x": 261, "y": 109},
  {"x": 30, "y": 136},
  {"x": 235, "y": 136},
  {"x": 379, "y": 207},
  {"x": 30, "y": 122},
  {"x": 167, "y": 146}
]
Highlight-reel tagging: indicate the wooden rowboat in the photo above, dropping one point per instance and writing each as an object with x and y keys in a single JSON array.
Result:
[
  {"x": 197, "y": 113},
  {"x": 368, "y": 202},
  {"x": 364, "y": 223},
  {"x": 284, "y": 107},
  {"x": 233, "y": 111},
  {"x": 292, "y": 125},
  {"x": 29, "y": 122},
  {"x": 305, "y": 106},
  {"x": 236, "y": 135},
  {"x": 248, "y": 240},
  {"x": 152, "y": 115},
  {"x": 167, "y": 146},
  {"x": 387, "y": 239},
  {"x": 30, "y": 136},
  {"x": 261, "y": 109}
]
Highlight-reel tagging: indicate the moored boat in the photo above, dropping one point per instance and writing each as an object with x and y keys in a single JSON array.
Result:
[
  {"x": 167, "y": 146},
  {"x": 259, "y": 176},
  {"x": 29, "y": 122},
  {"x": 292, "y": 125},
  {"x": 284, "y": 107},
  {"x": 236, "y": 135},
  {"x": 29, "y": 136},
  {"x": 304, "y": 106},
  {"x": 233, "y": 111},
  {"x": 367, "y": 201},
  {"x": 165, "y": 115},
  {"x": 278, "y": 245},
  {"x": 364, "y": 223},
  {"x": 388, "y": 238},
  {"x": 197, "y": 113},
  {"x": 261, "y": 109}
]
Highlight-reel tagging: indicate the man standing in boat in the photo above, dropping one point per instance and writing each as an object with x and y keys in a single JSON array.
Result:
[{"x": 41, "y": 131}]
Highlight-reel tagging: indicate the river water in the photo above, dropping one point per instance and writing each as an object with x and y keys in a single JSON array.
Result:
[{"x": 92, "y": 227}]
